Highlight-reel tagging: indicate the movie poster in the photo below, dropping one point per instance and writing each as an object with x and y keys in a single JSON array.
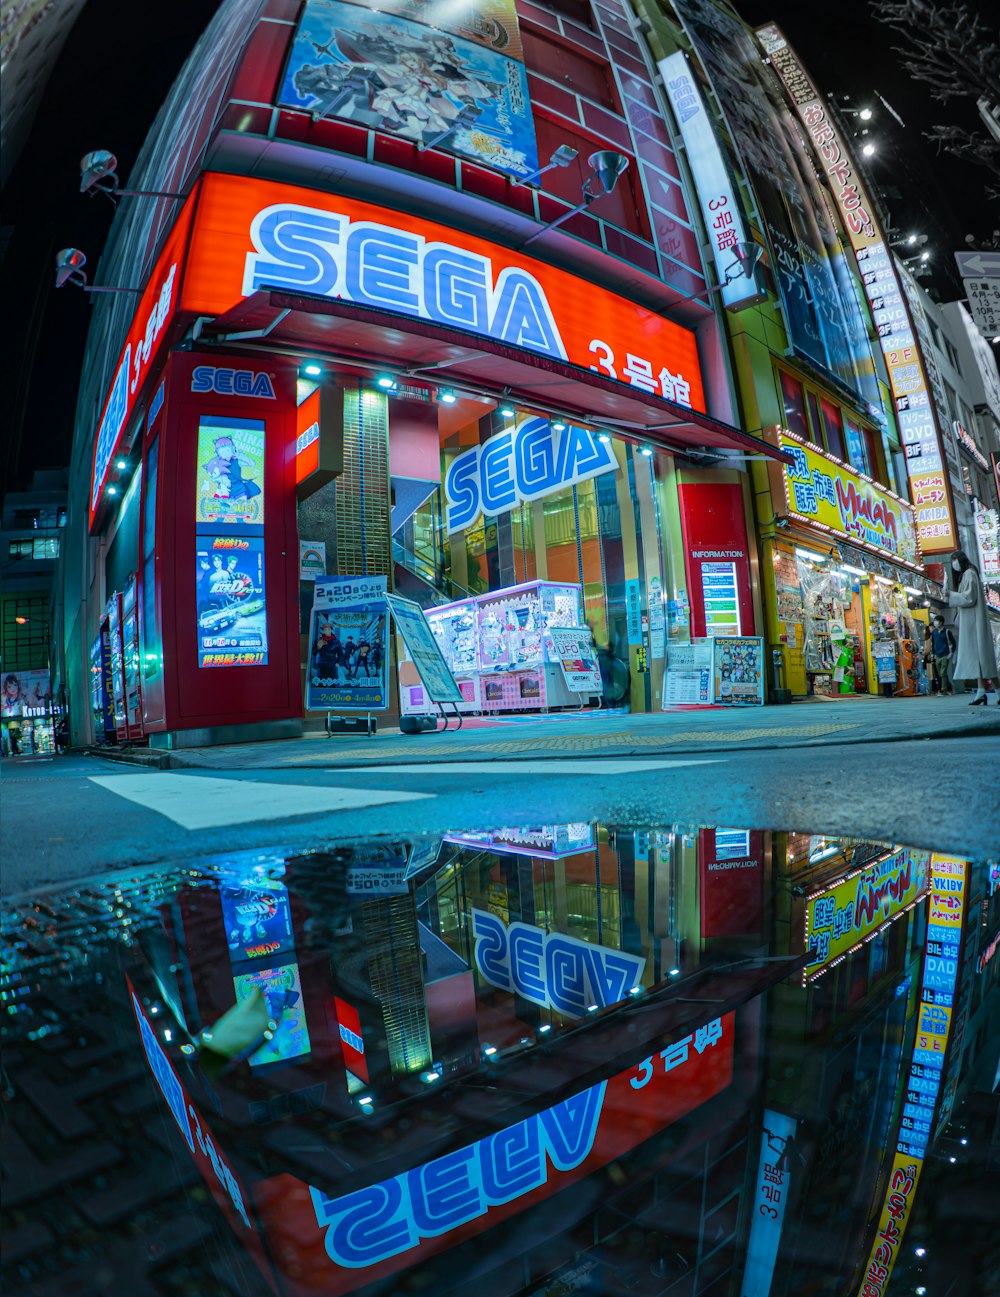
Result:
[
  {"x": 348, "y": 666},
  {"x": 439, "y": 85},
  {"x": 230, "y": 474},
  {"x": 231, "y": 604}
]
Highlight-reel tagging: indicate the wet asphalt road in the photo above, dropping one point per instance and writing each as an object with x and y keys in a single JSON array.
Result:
[{"x": 77, "y": 817}]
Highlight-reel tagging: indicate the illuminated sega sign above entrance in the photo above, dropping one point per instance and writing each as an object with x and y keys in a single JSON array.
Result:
[
  {"x": 527, "y": 463},
  {"x": 231, "y": 382},
  {"x": 256, "y": 234}
]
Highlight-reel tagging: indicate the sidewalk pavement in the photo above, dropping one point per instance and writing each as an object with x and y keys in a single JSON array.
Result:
[{"x": 567, "y": 734}]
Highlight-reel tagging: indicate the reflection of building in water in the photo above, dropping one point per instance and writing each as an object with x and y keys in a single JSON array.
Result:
[{"x": 588, "y": 1033}]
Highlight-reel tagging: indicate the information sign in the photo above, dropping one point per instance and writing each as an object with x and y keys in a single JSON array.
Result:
[{"x": 574, "y": 648}]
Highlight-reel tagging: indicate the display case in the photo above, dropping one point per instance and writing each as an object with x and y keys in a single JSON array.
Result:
[{"x": 498, "y": 650}]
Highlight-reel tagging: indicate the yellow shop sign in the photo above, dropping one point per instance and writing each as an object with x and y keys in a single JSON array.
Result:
[{"x": 821, "y": 490}]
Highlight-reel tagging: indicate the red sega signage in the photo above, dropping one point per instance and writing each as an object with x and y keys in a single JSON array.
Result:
[
  {"x": 254, "y": 234},
  {"x": 156, "y": 305},
  {"x": 333, "y": 1243}
]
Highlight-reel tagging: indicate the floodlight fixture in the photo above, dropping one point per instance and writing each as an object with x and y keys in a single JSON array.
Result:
[
  {"x": 70, "y": 264},
  {"x": 606, "y": 168},
  {"x": 562, "y": 157},
  {"x": 99, "y": 175}
]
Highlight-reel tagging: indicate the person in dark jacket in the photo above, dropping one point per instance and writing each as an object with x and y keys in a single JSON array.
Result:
[{"x": 943, "y": 639}]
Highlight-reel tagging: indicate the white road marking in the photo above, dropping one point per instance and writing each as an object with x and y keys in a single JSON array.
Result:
[
  {"x": 201, "y": 802},
  {"x": 594, "y": 766}
]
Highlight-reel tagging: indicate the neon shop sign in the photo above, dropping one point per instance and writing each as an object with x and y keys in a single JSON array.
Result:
[
  {"x": 522, "y": 465},
  {"x": 549, "y": 969}
]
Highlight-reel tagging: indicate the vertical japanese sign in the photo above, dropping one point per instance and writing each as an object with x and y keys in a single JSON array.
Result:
[
  {"x": 886, "y": 293},
  {"x": 937, "y": 996},
  {"x": 770, "y": 1196},
  {"x": 348, "y": 665},
  {"x": 721, "y": 209}
]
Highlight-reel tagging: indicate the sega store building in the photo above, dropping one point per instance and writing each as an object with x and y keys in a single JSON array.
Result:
[{"x": 406, "y": 397}]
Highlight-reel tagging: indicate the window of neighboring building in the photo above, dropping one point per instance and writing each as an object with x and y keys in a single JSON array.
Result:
[
  {"x": 934, "y": 332},
  {"x": 857, "y": 452},
  {"x": 44, "y": 547},
  {"x": 793, "y": 399},
  {"x": 832, "y": 430}
]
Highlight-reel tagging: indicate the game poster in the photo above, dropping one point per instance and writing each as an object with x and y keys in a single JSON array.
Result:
[
  {"x": 281, "y": 989},
  {"x": 738, "y": 670},
  {"x": 231, "y": 603},
  {"x": 348, "y": 668},
  {"x": 408, "y": 78},
  {"x": 258, "y": 920},
  {"x": 230, "y": 491}
]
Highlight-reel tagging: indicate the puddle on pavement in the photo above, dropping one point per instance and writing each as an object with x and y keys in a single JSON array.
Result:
[{"x": 575, "y": 1058}]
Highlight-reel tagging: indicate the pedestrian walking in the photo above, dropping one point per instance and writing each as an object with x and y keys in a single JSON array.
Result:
[
  {"x": 975, "y": 659},
  {"x": 943, "y": 648},
  {"x": 927, "y": 658}
]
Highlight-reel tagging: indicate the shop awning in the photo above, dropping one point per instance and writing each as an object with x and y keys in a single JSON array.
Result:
[{"x": 368, "y": 338}]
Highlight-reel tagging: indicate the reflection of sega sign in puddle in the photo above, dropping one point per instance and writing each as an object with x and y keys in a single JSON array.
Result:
[
  {"x": 474, "y": 1187},
  {"x": 552, "y": 970}
]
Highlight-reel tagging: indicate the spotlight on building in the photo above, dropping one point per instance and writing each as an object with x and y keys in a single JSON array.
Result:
[
  {"x": 562, "y": 157},
  {"x": 507, "y": 411},
  {"x": 313, "y": 370},
  {"x": 446, "y": 396},
  {"x": 121, "y": 465},
  {"x": 386, "y": 381},
  {"x": 866, "y": 114},
  {"x": 558, "y": 425},
  {"x": 99, "y": 175},
  {"x": 604, "y": 438},
  {"x": 606, "y": 168},
  {"x": 868, "y": 150},
  {"x": 647, "y": 451},
  {"x": 70, "y": 264}
]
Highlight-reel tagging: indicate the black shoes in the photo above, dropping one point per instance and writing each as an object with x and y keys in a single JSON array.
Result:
[{"x": 977, "y": 702}]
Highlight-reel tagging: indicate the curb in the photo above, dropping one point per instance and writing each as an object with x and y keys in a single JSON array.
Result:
[
  {"x": 136, "y": 757},
  {"x": 180, "y": 761}
]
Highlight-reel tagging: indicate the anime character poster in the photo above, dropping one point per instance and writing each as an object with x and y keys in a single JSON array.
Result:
[
  {"x": 408, "y": 78},
  {"x": 231, "y": 603},
  {"x": 738, "y": 670},
  {"x": 257, "y": 918},
  {"x": 230, "y": 474},
  {"x": 25, "y": 693},
  {"x": 348, "y": 667},
  {"x": 282, "y": 991}
]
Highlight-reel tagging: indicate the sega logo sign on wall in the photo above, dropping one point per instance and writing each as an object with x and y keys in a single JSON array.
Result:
[
  {"x": 527, "y": 463},
  {"x": 231, "y": 382},
  {"x": 550, "y": 969}
]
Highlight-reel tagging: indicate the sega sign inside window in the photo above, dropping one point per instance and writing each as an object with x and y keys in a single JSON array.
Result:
[
  {"x": 526, "y": 463},
  {"x": 254, "y": 234},
  {"x": 156, "y": 306}
]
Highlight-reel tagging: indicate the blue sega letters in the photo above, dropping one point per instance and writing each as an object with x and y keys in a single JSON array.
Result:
[
  {"x": 303, "y": 249},
  {"x": 231, "y": 382},
  {"x": 550, "y": 969},
  {"x": 525, "y": 464},
  {"x": 382, "y": 1220}
]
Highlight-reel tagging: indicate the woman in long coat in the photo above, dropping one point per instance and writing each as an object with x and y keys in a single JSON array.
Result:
[{"x": 976, "y": 659}]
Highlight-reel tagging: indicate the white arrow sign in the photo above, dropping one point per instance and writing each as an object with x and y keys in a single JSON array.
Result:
[{"x": 985, "y": 264}]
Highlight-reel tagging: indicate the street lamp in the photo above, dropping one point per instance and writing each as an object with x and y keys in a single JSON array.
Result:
[{"x": 607, "y": 167}]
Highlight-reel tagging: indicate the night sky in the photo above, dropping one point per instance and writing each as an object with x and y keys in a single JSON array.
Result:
[{"x": 113, "y": 74}]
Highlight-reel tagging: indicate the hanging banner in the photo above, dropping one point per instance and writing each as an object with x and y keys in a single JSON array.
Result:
[
  {"x": 770, "y": 1198},
  {"x": 348, "y": 666},
  {"x": 574, "y": 649},
  {"x": 824, "y": 491},
  {"x": 718, "y": 197},
  {"x": 424, "y": 650},
  {"x": 439, "y": 81},
  {"x": 738, "y": 670},
  {"x": 886, "y": 290},
  {"x": 987, "y": 523}
]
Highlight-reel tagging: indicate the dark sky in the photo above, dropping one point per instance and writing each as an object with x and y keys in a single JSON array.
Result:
[{"x": 114, "y": 73}]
